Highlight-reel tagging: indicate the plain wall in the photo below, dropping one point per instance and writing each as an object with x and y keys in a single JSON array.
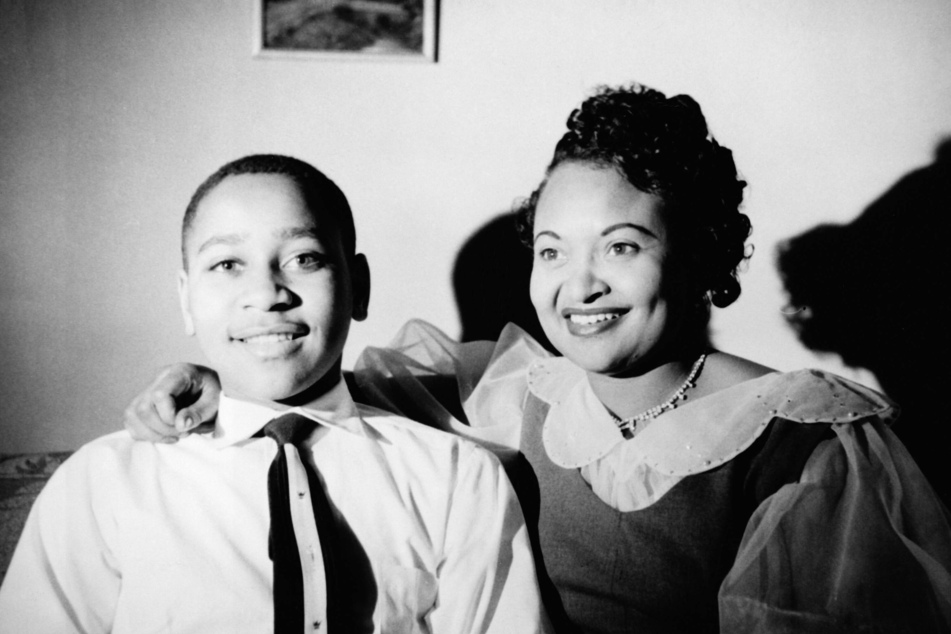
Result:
[{"x": 112, "y": 112}]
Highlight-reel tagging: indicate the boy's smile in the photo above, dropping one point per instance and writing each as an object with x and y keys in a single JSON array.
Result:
[
  {"x": 268, "y": 289},
  {"x": 272, "y": 341},
  {"x": 269, "y": 342}
]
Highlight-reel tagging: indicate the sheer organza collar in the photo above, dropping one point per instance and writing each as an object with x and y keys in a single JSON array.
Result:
[{"x": 699, "y": 435}]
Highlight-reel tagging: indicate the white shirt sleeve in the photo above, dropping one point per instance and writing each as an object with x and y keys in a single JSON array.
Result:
[
  {"x": 63, "y": 575},
  {"x": 487, "y": 580}
]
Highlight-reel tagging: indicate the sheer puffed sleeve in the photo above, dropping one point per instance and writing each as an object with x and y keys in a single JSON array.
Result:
[
  {"x": 476, "y": 390},
  {"x": 860, "y": 544}
]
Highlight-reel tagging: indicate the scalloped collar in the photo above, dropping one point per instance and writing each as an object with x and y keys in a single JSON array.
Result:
[{"x": 699, "y": 435}]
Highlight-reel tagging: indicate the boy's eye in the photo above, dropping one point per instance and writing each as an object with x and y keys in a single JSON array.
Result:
[
  {"x": 307, "y": 261},
  {"x": 227, "y": 266}
]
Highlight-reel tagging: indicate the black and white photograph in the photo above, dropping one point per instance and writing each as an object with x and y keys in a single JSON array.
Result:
[{"x": 475, "y": 316}]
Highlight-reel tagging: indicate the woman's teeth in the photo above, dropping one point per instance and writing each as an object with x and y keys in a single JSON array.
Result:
[{"x": 586, "y": 320}]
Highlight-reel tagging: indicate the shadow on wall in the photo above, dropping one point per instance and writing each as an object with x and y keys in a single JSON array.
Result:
[
  {"x": 490, "y": 279},
  {"x": 876, "y": 292}
]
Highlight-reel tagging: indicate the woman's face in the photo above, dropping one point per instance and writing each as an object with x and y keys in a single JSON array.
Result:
[{"x": 601, "y": 274}]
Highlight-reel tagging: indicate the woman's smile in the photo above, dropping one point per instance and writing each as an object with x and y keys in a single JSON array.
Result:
[
  {"x": 585, "y": 322},
  {"x": 601, "y": 269}
]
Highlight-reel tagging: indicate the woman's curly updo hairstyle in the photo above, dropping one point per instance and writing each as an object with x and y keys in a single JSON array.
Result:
[{"x": 662, "y": 147}]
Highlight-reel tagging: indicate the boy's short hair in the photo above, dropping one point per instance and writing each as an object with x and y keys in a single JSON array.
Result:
[{"x": 319, "y": 192}]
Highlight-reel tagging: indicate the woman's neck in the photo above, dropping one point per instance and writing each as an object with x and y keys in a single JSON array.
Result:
[{"x": 629, "y": 396}]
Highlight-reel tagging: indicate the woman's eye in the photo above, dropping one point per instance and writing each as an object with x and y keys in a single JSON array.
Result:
[
  {"x": 547, "y": 254},
  {"x": 623, "y": 248}
]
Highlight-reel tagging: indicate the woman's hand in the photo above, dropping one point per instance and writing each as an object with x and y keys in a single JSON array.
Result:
[{"x": 180, "y": 398}]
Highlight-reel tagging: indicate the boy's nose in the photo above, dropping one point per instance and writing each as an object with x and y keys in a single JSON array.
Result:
[{"x": 267, "y": 291}]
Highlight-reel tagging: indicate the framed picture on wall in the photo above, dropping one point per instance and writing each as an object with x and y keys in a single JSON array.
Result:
[{"x": 401, "y": 30}]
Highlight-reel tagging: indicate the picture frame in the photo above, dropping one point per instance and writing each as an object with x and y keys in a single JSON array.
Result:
[{"x": 366, "y": 30}]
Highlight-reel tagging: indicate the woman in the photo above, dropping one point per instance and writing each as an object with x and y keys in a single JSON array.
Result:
[{"x": 674, "y": 487}]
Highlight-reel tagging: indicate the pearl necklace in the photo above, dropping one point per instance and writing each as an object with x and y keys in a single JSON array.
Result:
[{"x": 628, "y": 425}]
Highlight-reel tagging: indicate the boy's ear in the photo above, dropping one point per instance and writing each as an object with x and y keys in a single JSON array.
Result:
[
  {"x": 183, "y": 301},
  {"x": 360, "y": 279}
]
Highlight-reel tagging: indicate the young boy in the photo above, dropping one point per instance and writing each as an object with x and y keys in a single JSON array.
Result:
[{"x": 420, "y": 531}]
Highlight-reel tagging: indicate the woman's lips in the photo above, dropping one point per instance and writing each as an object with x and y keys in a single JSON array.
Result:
[{"x": 592, "y": 321}]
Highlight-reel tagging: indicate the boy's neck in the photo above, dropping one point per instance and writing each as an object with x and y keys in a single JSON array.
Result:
[
  {"x": 322, "y": 386},
  {"x": 319, "y": 388}
]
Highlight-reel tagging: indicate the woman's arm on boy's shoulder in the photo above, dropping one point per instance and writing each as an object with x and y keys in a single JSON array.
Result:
[{"x": 181, "y": 397}]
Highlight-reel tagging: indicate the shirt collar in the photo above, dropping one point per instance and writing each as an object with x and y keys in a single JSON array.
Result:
[{"x": 239, "y": 420}]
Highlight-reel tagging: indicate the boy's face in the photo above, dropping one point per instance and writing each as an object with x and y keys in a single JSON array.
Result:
[{"x": 268, "y": 290}]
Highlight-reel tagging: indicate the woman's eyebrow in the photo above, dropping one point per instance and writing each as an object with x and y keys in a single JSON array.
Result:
[
  {"x": 628, "y": 225},
  {"x": 546, "y": 232}
]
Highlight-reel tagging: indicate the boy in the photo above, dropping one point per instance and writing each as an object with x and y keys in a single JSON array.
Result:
[{"x": 419, "y": 530}]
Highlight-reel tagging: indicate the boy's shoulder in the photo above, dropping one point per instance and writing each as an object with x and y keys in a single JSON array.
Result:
[
  {"x": 119, "y": 452},
  {"x": 116, "y": 444},
  {"x": 394, "y": 426},
  {"x": 405, "y": 434},
  {"x": 107, "y": 464}
]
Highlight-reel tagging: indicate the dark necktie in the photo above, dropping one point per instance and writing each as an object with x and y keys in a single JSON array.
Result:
[{"x": 289, "y": 600}]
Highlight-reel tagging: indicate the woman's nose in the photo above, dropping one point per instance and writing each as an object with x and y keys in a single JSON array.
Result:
[{"x": 586, "y": 283}]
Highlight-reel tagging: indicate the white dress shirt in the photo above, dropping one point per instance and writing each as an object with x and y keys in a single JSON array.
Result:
[{"x": 140, "y": 537}]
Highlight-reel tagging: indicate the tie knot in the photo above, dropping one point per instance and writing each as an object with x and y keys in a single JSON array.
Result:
[{"x": 289, "y": 428}]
